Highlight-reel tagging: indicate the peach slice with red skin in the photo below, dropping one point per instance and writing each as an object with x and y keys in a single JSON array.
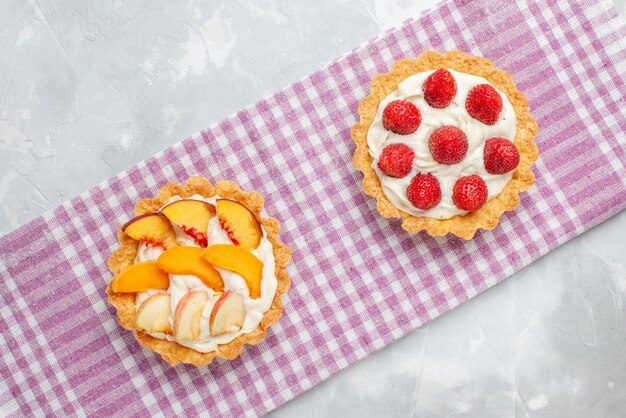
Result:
[
  {"x": 228, "y": 312},
  {"x": 240, "y": 261},
  {"x": 187, "y": 315},
  {"x": 141, "y": 277},
  {"x": 153, "y": 314},
  {"x": 192, "y": 216},
  {"x": 242, "y": 226},
  {"x": 152, "y": 228},
  {"x": 187, "y": 261}
]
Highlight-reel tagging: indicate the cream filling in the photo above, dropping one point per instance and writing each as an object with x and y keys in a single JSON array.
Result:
[
  {"x": 455, "y": 115},
  {"x": 180, "y": 285}
]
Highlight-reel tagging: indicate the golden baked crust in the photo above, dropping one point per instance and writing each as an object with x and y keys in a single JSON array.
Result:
[
  {"x": 486, "y": 217},
  {"x": 125, "y": 255}
]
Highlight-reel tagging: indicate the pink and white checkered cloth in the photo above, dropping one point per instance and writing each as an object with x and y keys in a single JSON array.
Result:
[{"x": 359, "y": 281}]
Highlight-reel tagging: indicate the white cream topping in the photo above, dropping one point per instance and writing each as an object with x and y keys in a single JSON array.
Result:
[
  {"x": 455, "y": 115},
  {"x": 180, "y": 285}
]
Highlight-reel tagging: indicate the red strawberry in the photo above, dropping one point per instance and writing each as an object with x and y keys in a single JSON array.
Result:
[
  {"x": 439, "y": 88},
  {"x": 469, "y": 193},
  {"x": 396, "y": 160},
  {"x": 401, "y": 117},
  {"x": 424, "y": 191},
  {"x": 484, "y": 103},
  {"x": 500, "y": 156},
  {"x": 448, "y": 145}
]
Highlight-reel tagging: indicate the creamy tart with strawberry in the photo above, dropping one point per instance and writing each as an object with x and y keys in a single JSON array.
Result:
[
  {"x": 199, "y": 272},
  {"x": 445, "y": 142}
]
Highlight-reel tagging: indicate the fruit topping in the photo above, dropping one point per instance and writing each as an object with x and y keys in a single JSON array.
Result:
[
  {"x": 470, "y": 193},
  {"x": 424, "y": 191},
  {"x": 154, "y": 229},
  {"x": 500, "y": 156},
  {"x": 396, "y": 160},
  {"x": 439, "y": 88},
  {"x": 484, "y": 103},
  {"x": 187, "y": 261},
  {"x": 228, "y": 313},
  {"x": 401, "y": 117},
  {"x": 242, "y": 226},
  {"x": 238, "y": 260},
  {"x": 192, "y": 216},
  {"x": 187, "y": 315},
  {"x": 153, "y": 314},
  {"x": 140, "y": 277},
  {"x": 448, "y": 145}
]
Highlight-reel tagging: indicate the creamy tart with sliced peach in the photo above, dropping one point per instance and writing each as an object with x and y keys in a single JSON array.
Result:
[{"x": 199, "y": 272}]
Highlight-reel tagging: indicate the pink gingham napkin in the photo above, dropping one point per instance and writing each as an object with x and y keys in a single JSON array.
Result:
[{"x": 359, "y": 281}]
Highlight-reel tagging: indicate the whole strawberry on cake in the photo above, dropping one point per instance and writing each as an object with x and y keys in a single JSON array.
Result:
[
  {"x": 199, "y": 273},
  {"x": 445, "y": 142}
]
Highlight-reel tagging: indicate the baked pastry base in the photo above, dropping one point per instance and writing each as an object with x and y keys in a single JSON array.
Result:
[
  {"x": 487, "y": 217},
  {"x": 124, "y": 256}
]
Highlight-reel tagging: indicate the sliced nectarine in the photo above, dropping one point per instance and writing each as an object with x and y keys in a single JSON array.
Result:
[
  {"x": 242, "y": 262},
  {"x": 192, "y": 216},
  {"x": 153, "y": 314},
  {"x": 241, "y": 224},
  {"x": 153, "y": 229},
  {"x": 187, "y": 315},
  {"x": 227, "y": 314},
  {"x": 187, "y": 260},
  {"x": 140, "y": 277}
]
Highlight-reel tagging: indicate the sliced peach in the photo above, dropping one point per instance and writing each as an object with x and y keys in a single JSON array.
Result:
[
  {"x": 242, "y": 262},
  {"x": 153, "y": 229},
  {"x": 140, "y": 277},
  {"x": 187, "y": 260},
  {"x": 187, "y": 315},
  {"x": 153, "y": 314},
  {"x": 192, "y": 216},
  {"x": 241, "y": 224},
  {"x": 227, "y": 314}
]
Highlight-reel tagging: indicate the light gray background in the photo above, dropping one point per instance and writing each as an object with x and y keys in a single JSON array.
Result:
[{"x": 87, "y": 89}]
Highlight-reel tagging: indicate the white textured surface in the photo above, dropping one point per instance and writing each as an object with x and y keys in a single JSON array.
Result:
[{"x": 89, "y": 88}]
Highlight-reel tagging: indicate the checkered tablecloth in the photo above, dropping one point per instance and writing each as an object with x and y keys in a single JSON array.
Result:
[{"x": 359, "y": 281}]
